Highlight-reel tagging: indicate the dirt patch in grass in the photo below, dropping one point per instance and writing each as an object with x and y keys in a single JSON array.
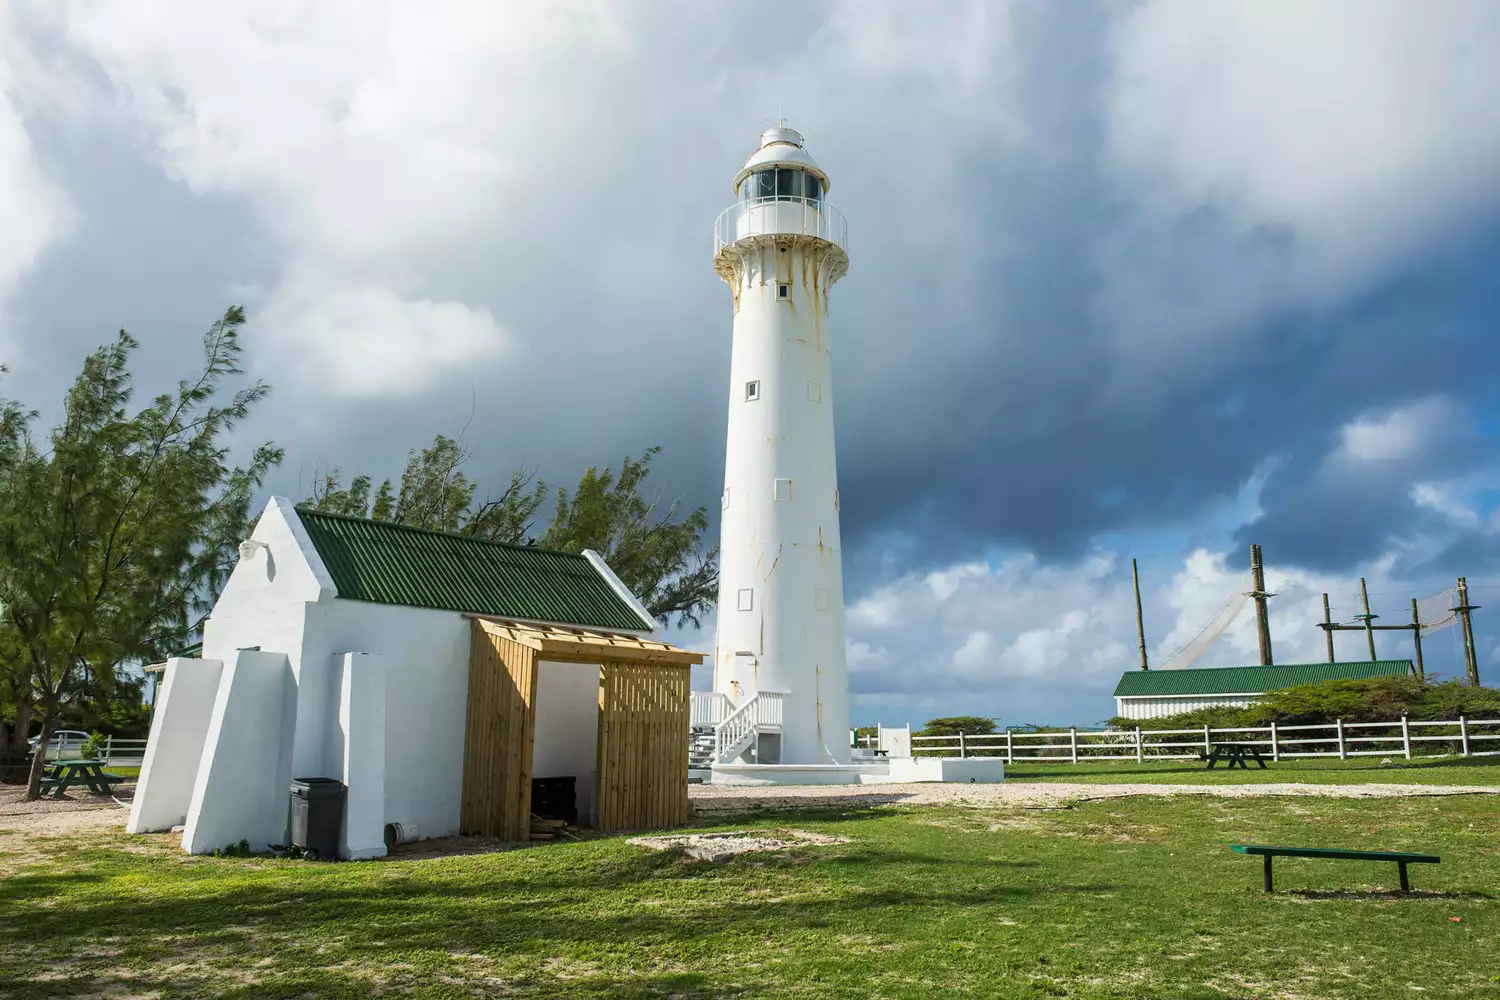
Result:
[{"x": 723, "y": 846}]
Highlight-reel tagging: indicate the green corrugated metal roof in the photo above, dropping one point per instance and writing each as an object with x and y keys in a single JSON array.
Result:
[
  {"x": 1250, "y": 680},
  {"x": 393, "y": 564}
]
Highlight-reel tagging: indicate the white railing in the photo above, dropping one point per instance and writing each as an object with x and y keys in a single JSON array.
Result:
[
  {"x": 768, "y": 706},
  {"x": 1405, "y": 738},
  {"x": 124, "y": 752},
  {"x": 120, "y": 752},
  {"x": 709, "y": 708},
  {"x": 730, "y": 734},
  {"x": 785, "y": 216}
]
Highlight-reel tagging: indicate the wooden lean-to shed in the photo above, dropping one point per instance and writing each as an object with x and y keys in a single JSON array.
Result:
[{"x": 641, "y": 741}]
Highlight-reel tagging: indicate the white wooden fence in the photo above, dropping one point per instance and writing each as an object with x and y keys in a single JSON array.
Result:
[
  {"x": 120, "y": 753},
  {"x": 1404, "y": 738}
]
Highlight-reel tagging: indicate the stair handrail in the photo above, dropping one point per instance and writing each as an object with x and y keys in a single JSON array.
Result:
[{"x": 734, "y": 728}]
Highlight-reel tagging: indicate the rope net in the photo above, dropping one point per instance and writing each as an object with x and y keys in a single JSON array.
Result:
[
  {"x": 1436, "y": 612},
  {"x": 1210, "y": 631}
]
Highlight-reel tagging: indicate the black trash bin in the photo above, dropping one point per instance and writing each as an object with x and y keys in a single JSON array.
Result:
[{"x": 317, "y": 816}]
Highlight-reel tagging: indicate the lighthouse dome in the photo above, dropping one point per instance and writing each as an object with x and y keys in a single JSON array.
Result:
[{"x": 781, "y": 147}]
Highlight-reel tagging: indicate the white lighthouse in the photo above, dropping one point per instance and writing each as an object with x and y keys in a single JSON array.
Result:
[{"x": 780, "y": 649}]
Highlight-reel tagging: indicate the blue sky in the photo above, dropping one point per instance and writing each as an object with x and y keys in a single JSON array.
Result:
[{"x": 1155, "y": 279}]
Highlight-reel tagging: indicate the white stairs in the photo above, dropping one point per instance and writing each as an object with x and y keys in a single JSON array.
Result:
[{"x": 720, "y": 733}]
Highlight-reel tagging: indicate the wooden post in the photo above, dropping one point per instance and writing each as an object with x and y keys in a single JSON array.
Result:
[
  {"x": 961, "y": 753},
  {"x": 1463, "y": 732},
  {"x": 1275, "y": 749},
  {"x": 1262, "y": 613},
  {"x": 1464, "y": 609},
  {"x": 1010, "y": 746},
  {"x": 1364, "y": 597},
  {"x": 1328, "y": 628},
  {"x": 1140, "y": 620},
  {"x": 1207, "y": 746},
  {"x": 1073, "y": 742},
  {"x": 1140, "y": 753},
  {"x": 1406, "y": 736},
  {"x": 1416, "y": 637},
  {"x": 1342, "y": 755}
]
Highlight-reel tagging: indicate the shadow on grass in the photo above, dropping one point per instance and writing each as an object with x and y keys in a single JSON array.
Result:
[
  {"x": 1395, "y": 894},
  {"x": 473, "y": 910}
]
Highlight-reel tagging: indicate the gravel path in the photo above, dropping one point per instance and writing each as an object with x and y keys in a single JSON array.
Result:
[
  {"x": 80, "y": 810},
  {"x": 728, "y": 800}
]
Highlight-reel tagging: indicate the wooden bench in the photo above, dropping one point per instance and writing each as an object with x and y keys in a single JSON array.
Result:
[{"x": 1401, "y": 858}]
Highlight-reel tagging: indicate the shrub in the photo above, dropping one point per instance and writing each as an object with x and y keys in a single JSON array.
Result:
[
  {"x": 94, "y": 745},
  {"x": 1374, "y": 699}
]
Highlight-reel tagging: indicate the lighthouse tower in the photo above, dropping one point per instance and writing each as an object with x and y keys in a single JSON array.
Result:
[{"x": 781, "y": 248}]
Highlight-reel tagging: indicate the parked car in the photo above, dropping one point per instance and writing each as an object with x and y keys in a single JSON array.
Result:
[{"x": 64, "y": 743}]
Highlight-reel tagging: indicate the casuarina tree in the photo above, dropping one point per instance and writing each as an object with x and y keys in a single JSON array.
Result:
[{"x": 117, "y": 528}]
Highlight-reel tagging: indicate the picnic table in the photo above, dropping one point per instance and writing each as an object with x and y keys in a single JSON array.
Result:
[
  {"x": 1233, "y": 754},
  {"x": 64, "y": 774}
]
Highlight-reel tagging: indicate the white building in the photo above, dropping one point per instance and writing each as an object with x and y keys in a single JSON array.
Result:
[
  {"x": 341, "y": 648},
  {"x": 1152, "y": 694},
  {"x": 779, "y": 672}
]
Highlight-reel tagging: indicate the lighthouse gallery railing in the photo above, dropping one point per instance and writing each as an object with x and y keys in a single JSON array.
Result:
[{"x": 781, "y": 216}]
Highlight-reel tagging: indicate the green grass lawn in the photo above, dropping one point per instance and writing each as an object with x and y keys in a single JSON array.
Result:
[
  {"x": 1128, "y": 898},
  {"x": 1323, "y": 771}
]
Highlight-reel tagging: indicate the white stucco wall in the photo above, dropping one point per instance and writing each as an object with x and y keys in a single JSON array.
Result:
[
  {"x": 179, "y": 726},
  {"x": 567, "y": 727},
  {"x": 425, "y": 654},
  {"x": 360, "y": 749},
  {"x": 242, "y": 789}
]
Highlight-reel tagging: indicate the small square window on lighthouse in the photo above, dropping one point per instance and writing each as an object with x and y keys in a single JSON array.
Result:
[
  {"x": 783, "y": 489},
  {"x": 814, "y": 392},
  {"x": 747, "y": 600},
  {"x": 724, "y": 500},
  {"x": 820, "y": 598},
  {"x": 783, "y": 292},
  {"x": 752, "y": 391}
]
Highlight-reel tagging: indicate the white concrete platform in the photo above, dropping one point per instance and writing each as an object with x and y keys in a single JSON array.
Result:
[
  {"x": 905, "y": 770},
  {"x": 794, "y": 774}
]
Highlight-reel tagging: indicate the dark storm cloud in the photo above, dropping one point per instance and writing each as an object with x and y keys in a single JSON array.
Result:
[{"x": 1025, "y": 351}]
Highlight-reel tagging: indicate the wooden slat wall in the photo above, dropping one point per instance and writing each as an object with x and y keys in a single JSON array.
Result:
[
  {"x": 500, "y": 736},
  {"x": 643, "y": 739}
]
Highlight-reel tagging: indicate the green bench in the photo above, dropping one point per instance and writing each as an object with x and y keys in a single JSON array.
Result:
[{"x": 1401, "y": 858}]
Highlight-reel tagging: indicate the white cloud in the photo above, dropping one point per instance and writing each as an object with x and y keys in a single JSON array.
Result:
[
  {"x": 1363, "y": 124},
  {"x": 34, "y": 213},
  {"x": 365, "y": 341},
  {"x": 1329, "y": 141},
  {"x": 1398, "y": 434},
  {"x": 376, "y": 144},
  {"x": 1015, "y": 635}
]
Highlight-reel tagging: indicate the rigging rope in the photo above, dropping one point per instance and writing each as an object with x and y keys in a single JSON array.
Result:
[{"x": 1206, "y": 635}]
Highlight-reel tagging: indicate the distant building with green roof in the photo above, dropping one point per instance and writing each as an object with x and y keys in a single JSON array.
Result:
[{"x": 1151, "y": 694}]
